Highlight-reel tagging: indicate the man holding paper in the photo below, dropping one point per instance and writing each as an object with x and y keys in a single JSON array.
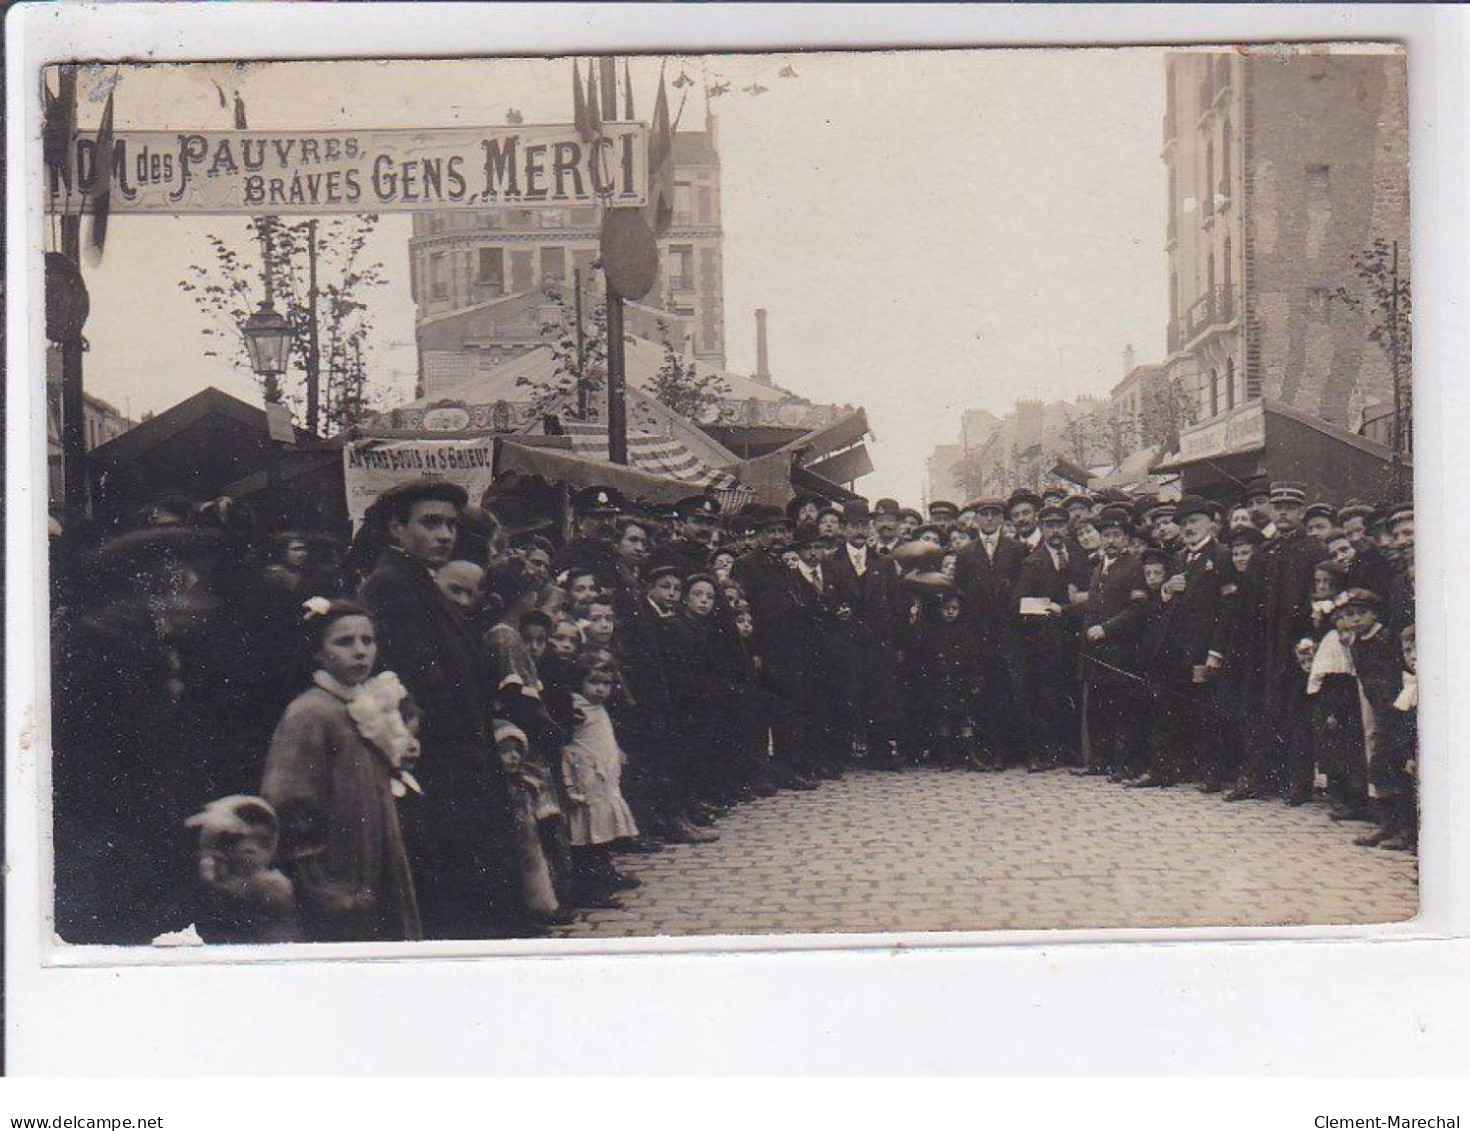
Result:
[{"x": 1046, "y": 650}]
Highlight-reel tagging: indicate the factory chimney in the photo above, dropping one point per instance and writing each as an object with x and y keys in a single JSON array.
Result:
[{"x": 762, "y": 358}]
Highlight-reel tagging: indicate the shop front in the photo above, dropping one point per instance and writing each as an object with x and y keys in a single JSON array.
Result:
[{"x": 1217, "y": 458}]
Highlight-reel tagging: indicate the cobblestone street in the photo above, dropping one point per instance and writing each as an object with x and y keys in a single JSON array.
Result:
[{"x": 932, "y": 851}]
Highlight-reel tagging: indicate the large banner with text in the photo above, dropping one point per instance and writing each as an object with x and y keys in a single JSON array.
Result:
[{"x": 250, "y": 172}]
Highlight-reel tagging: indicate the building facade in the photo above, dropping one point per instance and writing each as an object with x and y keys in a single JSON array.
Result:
[
  {"x": 474, "y": 262},
  {"x": 1281, "y": 168}
]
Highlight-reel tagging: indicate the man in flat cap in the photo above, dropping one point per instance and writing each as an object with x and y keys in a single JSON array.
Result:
[
  {"x": 1318, "y": 520},
  {"x": 460, "y": 836},
  {"x": 1281, "y": 575},
  {"x": 985, "y": 574}
]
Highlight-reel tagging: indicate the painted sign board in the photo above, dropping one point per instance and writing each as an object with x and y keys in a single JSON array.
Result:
[{"x": 251, "y": 172}]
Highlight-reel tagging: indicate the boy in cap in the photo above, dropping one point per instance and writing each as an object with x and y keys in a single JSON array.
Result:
[
  {"x": 1379, "y": 663},
  {"x": 659, "y": 663},
  {"x": 1318, "y": 520}
]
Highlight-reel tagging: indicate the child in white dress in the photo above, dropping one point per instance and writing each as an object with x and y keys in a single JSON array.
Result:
[{"x": 592, "y": 768}]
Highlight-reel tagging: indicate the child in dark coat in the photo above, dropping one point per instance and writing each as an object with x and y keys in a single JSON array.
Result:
[{"x": 948, "y": 670}]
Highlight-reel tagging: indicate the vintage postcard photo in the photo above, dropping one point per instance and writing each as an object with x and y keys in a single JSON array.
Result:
[{"x": 804, "y": 494}]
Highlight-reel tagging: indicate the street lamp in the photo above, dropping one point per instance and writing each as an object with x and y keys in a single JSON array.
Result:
[{"x": 268, "y": 341}]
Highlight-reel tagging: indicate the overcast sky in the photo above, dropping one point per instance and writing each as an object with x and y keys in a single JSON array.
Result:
[{"x": 930, "y": 231}]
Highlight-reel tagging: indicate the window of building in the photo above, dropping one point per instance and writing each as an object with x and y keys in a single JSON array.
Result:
[
  {"x": 438, "y": 283},
  {"x": 520, "y": 271},
  {"x": 1229, "y": 383},
  {"x": 683, "y": 206},
  {"x": 1214, "y": 392},
  {"x": 1229, "y": 280},
  {"x": 492, "y": 268},
  {"x": 553, "y": 264},
  {"x": 681, "y": 267},
  {"x": 706, "y": 198}
]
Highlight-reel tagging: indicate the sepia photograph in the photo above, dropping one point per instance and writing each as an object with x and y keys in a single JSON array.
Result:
[{"x": 653, "y": 496}]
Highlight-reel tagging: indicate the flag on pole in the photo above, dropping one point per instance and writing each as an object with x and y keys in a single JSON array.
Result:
[
  {"x": 60, "y": 123},
  {"x": 594, "y": 110},
  {"x": 240, "y": 112},
  {"x": 101, "y": 187},
  {"x": 579, "y": 105},
  {"x": 659, "y": 212}
]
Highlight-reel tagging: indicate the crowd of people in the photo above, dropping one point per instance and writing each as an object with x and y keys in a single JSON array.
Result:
[{"x": 458, "y": 728}]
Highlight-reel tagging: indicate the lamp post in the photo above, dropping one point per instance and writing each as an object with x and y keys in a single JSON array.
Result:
[{"x": 267, "y": 333}]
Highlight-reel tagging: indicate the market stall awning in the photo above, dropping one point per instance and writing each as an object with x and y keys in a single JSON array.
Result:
[{"x": 636, "y": 481}]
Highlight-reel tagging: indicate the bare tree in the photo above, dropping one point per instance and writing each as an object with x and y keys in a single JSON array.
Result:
[
  {"x": 1385, "y": 299},
  {"x": 573, "y": 361},
  {"x": 226, "y": 287},
  {"x": 679, "y": 385}
]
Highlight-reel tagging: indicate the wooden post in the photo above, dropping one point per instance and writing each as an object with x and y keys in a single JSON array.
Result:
[
  {"x": 313, "y": 348},
  {"x": 617, "y": 407},
  {"x": 1397, "y": 465},
  {"x": 581, "y": 349},
  {"x": 73, "y": 399}
]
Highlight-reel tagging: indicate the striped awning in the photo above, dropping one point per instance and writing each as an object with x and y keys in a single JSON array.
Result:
[{"x": 664, "y": 456}]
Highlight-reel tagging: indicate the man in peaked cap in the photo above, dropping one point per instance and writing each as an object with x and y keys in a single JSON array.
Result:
[
  {"x": 1191, "y": 652},
  {"x": 698, "y": 518},
  {"x": 1281, "y": 581},
  {"x": 1113, "y": 620},
  {"x": 595, "y": 508},
  {"x": 1021, "y": 509},
  {"x": 461, "y": 840},
  {"x": 944, "y": 513},
  {"x": 985, "y": 573}
]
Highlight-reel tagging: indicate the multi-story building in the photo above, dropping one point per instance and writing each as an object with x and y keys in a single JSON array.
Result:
[
  {"x": 1282, "y": 167},
  {"x": 100, "y": 422},
  {"x": 480, "y": 279}
]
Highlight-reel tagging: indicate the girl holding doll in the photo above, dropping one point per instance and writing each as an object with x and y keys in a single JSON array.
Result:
[{"x": 341, "y": 752}]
